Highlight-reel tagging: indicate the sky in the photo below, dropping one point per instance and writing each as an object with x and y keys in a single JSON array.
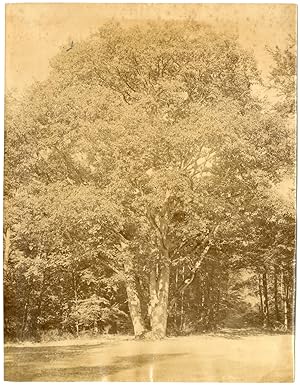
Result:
[{"x": 34, "y": 32}]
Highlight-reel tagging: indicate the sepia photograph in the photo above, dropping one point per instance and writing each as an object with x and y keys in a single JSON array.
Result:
[{"x": 149, "y": 227}]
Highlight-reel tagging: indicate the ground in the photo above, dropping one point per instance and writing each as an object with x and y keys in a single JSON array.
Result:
[{"x": 228, "y": 356}]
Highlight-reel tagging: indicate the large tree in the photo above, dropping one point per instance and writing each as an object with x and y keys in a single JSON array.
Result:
[{"x": 154, "y": 132}]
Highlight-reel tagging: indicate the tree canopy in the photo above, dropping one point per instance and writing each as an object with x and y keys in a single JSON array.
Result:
[{"x": 140, "y": 173}]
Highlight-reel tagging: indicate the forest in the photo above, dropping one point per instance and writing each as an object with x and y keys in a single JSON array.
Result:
[{"x": 144, "y": 188}]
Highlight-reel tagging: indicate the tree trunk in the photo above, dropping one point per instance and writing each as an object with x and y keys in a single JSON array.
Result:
[
  {"x": 26, "y": 310},
  {"x": 24, "y": 321},
  {"x": 277, "y": 315},
  {"x": 175, "y": 305},
  {"x": 282, "y": 295},
  {"x": 6, "y": 251},
  {"x": 216, "y": 309},
  {"x": 181, "y": 325},
  {"x": 5, "y": 282},
  {"x": 95, "y": 326},
  {"x": 37, "y": 312},
  {"x": 207, "y": 301},
  {"x": 134, "y": 303},
  {"x": 159, "y": 293},
  {"x": 212, "y": 297},
  {"x": 261, "y": 298},
  {"x": 266, "y": 321},
  {"x": 286, "y": 305},
  {"x": 75, "y": 301}
]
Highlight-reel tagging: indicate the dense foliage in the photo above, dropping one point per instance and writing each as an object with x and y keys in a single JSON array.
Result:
[{"x": 141, "y": 189}]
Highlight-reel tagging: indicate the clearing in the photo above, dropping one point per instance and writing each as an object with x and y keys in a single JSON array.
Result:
[{"x": 229, "y": 356}]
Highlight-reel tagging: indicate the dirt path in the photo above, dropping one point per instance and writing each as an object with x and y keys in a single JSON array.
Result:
[{"x": 229, "y": 357}]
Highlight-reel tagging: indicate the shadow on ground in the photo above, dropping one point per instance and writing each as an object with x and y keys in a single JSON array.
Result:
[
  {"x": 24, "y": 356},
  {"x": 85, "y": 373},
  {"x": 240, "y": 333}
]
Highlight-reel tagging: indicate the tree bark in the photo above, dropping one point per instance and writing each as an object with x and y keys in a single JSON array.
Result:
[
  {"x": 134, "y": 303},
  {"x": 76, "y": 301},
  {"x": 159, "y": 294},
  {"x": 266, "y": 321},
  {"x": 175, "y": 305},
  {"x": 181, "y": 325},
  {"x": 261, "y": 298},
  {"x": 6, "y": 251},
  {"x": 217, "y": 308},
  {"x": 286, "y": 305},
  {"x": 207, "y": 300},
  {"x": 38, "y": 310},
  {"x": 276, "y": 304},
  {"x": 160, "y": 273},
  {"x": 24, "y": 321}
]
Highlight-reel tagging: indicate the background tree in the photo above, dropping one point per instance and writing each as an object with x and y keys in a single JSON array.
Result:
[{"x": 283, "y": 76}]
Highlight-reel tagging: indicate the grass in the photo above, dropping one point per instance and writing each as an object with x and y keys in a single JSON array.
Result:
[
  {"x": 81, "y": 340},
  {"x": 228, "y": 356}
]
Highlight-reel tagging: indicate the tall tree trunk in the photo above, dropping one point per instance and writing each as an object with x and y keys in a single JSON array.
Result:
[
  {"x": 160, "y": 271},
  {"x": 37, "y": 312},
  {"x": 282, "y": 292},
  {"x": 5, "y": 281},
  {"x": 159, "y": 294},
  {"x": 181, "y": 325},
  {"x": 175, "y": 305},
  {"x": 6, "y": 251},
  {"x": 260, "y": 290},
  {"x": 207, "y": 300},
  {"x": 95, "y": 328},
  {"x": 212, "y": 296},
  {"x": 25, "y": 317},
  {"x": 277, "y": 314},
  {"x": 26, "y": 310},
  {"x": 76, "y": 301},
  {"x": 134, "y": 303},
  {"x": 217, "y": 308},
  {"x": 286, "y": 305},
  {"x": 266, "y": 313}
]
